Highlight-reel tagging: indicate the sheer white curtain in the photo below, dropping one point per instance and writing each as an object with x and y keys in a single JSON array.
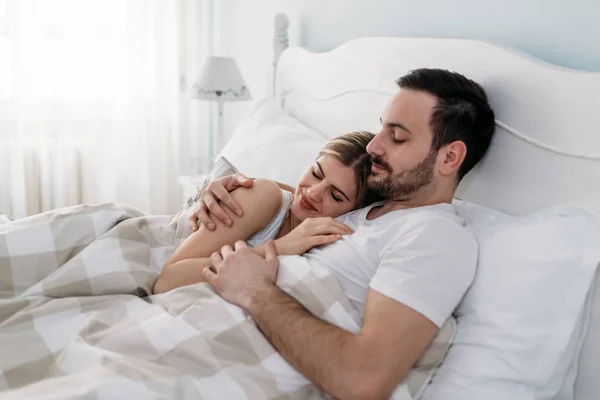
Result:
[{"x": 92, "y": 103}]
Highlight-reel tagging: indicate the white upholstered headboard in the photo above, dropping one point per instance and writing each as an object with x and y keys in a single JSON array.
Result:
[{"x": 546, "y": 150}]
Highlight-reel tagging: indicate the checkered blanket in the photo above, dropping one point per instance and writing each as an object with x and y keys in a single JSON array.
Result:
[{"x": 78, "y": 321}]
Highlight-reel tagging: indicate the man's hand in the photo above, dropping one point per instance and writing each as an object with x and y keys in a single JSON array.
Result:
[
  {"x": 241, "y": 275},
  {"x": 209, "y": 206}
]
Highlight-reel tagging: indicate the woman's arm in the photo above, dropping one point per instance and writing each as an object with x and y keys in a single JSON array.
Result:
[
  {"x": 182, "y": 273},
  {"x": 261, "y": 202},
  {"x": 310, "y": 233}
]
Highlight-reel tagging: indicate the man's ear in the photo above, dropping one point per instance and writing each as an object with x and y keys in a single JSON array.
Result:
[{"x": 451, "y": 157}]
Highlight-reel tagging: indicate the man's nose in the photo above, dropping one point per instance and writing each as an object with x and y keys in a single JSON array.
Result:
[{"x": 375, "y": 146}]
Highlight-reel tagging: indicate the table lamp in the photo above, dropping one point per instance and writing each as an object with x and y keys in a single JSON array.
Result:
[{"x": 220, "y": 81}]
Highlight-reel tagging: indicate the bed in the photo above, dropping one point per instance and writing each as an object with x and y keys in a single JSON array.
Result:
[{"x": 77, "y": 320}]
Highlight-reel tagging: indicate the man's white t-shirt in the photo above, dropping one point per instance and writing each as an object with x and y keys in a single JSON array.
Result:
[{"x": 423, "y": 257}]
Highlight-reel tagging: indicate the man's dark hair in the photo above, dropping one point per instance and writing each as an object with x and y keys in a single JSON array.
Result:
[{"x": 462, "y": 113}]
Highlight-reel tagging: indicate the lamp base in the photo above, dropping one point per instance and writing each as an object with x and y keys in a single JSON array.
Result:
[{"x": 215, "y": 139}]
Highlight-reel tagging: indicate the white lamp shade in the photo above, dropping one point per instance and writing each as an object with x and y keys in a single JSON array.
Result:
[{"x": 221, "y": 80}]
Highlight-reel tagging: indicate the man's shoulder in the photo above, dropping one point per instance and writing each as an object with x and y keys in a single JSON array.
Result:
[
  {"x": 437, "y": 214},
  {"x": 440, "y": 225},
  {"x": 357, "y": 214},
  {"x": 415, "y": 217}
]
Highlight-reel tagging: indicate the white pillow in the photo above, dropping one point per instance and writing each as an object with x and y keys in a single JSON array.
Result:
[
  {"x": 587, "y": 384},
  {"x": 520, "y": 325},
  {"x": 221, "y": 167},
  {"x": 271, "y": 144}
]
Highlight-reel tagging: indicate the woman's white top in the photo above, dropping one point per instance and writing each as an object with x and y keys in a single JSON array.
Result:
[{"x": 272, "y": 229}]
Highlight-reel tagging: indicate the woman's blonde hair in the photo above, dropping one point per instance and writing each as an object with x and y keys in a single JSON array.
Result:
[{"x": 351, "y": 150}]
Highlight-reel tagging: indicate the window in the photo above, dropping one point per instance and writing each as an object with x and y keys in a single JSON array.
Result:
[
  {"x": 65, "y": 49},
  {"x": 4, "y": 53}
]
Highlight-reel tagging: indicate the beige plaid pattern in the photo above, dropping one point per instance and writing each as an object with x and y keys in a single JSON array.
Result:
[{"x": 77, "y": 319}]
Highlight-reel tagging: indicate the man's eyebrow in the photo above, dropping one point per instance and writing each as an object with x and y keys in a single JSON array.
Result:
[
  {"x": 396, "y": 125},
  {"x": 337, "y": 189}
]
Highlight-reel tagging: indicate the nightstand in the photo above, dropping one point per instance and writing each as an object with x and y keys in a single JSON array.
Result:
[{"x": 189, "y": 185}]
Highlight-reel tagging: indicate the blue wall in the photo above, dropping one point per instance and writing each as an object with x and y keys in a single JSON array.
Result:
[{"x": 557, "y": 31}]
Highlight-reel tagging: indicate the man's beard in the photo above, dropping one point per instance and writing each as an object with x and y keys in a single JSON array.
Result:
[{"x": 402, "y": 185}]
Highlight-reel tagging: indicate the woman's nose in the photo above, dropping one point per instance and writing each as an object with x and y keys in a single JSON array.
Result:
[{"x": 315, "y": 192}]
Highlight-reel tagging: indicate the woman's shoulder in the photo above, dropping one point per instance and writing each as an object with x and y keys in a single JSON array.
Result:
[
  {"x": 264, "y": 193},
  {"x": 266, "y": 186}
]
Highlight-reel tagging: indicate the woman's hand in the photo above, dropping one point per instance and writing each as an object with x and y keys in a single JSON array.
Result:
[
  {"x": 214, "y": 197},
  {"x": 310, "y": 233}
]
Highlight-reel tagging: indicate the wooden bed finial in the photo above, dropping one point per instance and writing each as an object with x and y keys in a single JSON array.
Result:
[{"x": 280, "y": 42}]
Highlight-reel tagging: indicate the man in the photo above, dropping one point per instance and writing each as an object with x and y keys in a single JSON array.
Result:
[{"x": 408, "y": 263}]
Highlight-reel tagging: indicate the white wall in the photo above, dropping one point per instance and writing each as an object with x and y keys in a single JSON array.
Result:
[{"x": 566, "y": 33}]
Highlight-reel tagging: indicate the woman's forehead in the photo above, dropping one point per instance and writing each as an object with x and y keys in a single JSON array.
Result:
[{"x": 338, "y": 174}]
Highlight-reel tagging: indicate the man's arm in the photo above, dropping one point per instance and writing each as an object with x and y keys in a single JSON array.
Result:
[
  {"x": 368, "y": 365},
  {"x": 429, "y": 272}
]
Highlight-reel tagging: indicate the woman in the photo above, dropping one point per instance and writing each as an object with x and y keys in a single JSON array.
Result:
[{"x": 334, "y": 185}]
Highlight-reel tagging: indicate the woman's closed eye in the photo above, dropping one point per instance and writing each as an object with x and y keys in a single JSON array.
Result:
[{"x": 333, "y": 195}]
